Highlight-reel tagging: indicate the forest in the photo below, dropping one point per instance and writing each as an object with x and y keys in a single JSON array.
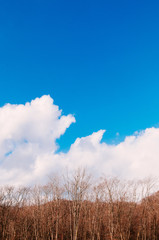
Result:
[{"x": 77, "y": 206}]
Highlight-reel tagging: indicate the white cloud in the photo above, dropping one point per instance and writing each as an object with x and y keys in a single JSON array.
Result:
[
  {"x": 28, "y": 146},
  {"x": 136, "y": 157},
  {"x": 28, "y": 137}
]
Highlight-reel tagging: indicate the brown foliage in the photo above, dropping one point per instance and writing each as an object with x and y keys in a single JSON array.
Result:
[{"x": 74, "y": 208}]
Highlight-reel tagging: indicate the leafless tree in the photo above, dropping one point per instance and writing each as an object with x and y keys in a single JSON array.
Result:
[{"x": 76, "y": 186}]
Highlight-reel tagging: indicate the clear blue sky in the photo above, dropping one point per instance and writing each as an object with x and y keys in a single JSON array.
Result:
[{"x": 98, "y": 59}]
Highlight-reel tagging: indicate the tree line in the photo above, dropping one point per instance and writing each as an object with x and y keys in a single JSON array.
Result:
[{"x": 76, "y": 207}]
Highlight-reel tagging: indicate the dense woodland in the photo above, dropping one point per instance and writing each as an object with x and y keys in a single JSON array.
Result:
[{"x": 76, "y": 207}]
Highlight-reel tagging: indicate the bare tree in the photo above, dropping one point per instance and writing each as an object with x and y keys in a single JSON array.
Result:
[
  {"x": 76, "y": 186},
  {"x": 56, "y": 191}
]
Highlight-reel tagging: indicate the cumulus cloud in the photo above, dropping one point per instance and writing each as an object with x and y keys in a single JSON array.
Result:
[
  {"x": 28, "y": 138},
  {"x": 28, "y": 146},
  {"x": 136, "y": 157}
]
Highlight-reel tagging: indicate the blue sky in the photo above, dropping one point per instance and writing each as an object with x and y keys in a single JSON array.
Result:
[{"x": 98, "y": 60}]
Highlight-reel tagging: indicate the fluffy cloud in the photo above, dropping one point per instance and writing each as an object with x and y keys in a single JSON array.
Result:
[
  {"x": 28, "y": 139},
  {"x": 28, "y": 146},
  {"x": 136, "y": 157}
]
